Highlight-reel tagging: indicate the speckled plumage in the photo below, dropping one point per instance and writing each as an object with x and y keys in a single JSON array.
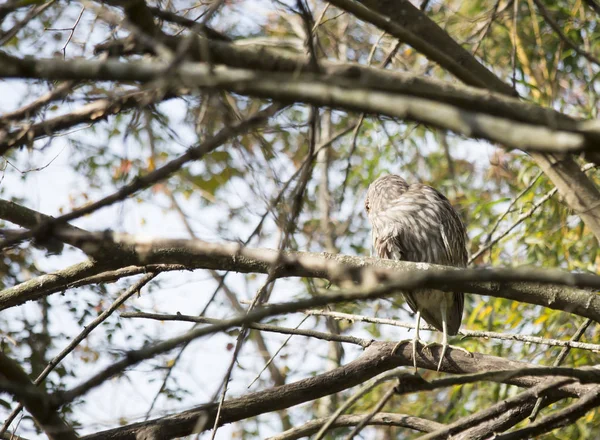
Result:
[{"x": 417, "y": 223}]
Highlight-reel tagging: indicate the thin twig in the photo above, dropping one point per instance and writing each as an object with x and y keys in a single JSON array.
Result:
[
  {"x": 464, "y": 333},
  {"x": 378, "y": 407},
  {"x": 513, "y": 55},
  {"x": 366, "y": 388},
  {"x": 262, "y": 295},
  {"x": 276, "y": 353},
  {"x": 511, "y": 205},
  {"x": 558, "y": 29},
  {"x": 524, "y": 216},
  {"x": 560, "y": 358}
]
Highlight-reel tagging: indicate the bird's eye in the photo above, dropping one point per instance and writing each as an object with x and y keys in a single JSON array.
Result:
[{"x": 367, "y": 207}]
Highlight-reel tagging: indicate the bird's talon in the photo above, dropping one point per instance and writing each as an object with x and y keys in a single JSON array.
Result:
[
  {"x": 428, "y": 346},
  {"x": 395, "y": 349},
  {"x": 464, "y": 350}
]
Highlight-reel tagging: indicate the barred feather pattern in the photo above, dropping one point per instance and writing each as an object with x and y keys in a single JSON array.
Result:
[{"x": 417, "y": 223}]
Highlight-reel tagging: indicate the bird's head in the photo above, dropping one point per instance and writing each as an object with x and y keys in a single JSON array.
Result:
[{"x": 383, "y": 191}]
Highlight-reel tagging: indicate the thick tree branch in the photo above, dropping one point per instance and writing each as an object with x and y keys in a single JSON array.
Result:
[
  {"x": 375, "y": 360},
  {"x": 557, "y": 289},
  {"x": 323, "y": 90},
  {"x": 28, "y": 218},
  {"x": 261, "y": 59},
  {"x": 410, "y": 25},
  {"x": 502, "y": 421},
  {"x": 553, "y": 289}
]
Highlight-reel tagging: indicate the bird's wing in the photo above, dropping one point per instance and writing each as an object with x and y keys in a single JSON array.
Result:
[
  {"x": 387, "y": 240},
  {"x": 454, "y": 237}
]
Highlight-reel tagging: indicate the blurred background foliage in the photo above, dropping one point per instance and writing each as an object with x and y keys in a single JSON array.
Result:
[{"x": 226, "y": 194}]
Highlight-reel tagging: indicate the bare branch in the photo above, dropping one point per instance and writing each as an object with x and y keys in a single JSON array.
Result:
[
  {"x": 464, "y": 333},
  {"x": 262, "y": 327},
  {"x": 37, "y": 402},
  {"x": 325, "y": 90},
  {"x": 495, "y": 410},
  {"x": 376, "y": 359},
  {"x": 516, "y": 284},
  {"x": 77, "y": 275},
  {"x": 380, "y": 419},
  {"x": 29, "y": 110},
  {"x": 135, "y": 288},
  {"x": 560, "y": 418},
  {"x": 93, "y": 112},
  {"x": 407, "y": 23},
  {"x": 367, "y": 418}
]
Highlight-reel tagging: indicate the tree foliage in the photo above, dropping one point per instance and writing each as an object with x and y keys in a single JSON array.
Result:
[{"x": 153, "y": 150}]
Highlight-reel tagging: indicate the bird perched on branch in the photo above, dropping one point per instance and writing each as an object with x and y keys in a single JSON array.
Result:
[{"x": 417, "y": 223}]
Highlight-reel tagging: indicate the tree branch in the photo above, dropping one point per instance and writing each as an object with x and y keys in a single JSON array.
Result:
[
  {"x": 322, "y": 90},
  {"x": 145, "y": 181},
  {"x": 380, "y": 419},
  {"x": 364, "y": 343},
  {"x": 560, "y": 418},
  {"x": 377, "y": 358},
  {"x": 39, "y": 404},
  {"x": 93, "y": 112},
  {"x": 542, "y": 389},
  {"x": 550, "y": 288},
  {"x": 463, "y": 333},
  {"x": 77, "y": 275}
]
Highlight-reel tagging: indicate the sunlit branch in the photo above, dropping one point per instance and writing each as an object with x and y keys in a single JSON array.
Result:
[
  {"x": 262, "y": 327},
  {"x": 326, "y": 90},
  {"x": 550, "y": 288},
  {"x": 380, "y": 419},
  {"x": 463, "y": 332}
]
